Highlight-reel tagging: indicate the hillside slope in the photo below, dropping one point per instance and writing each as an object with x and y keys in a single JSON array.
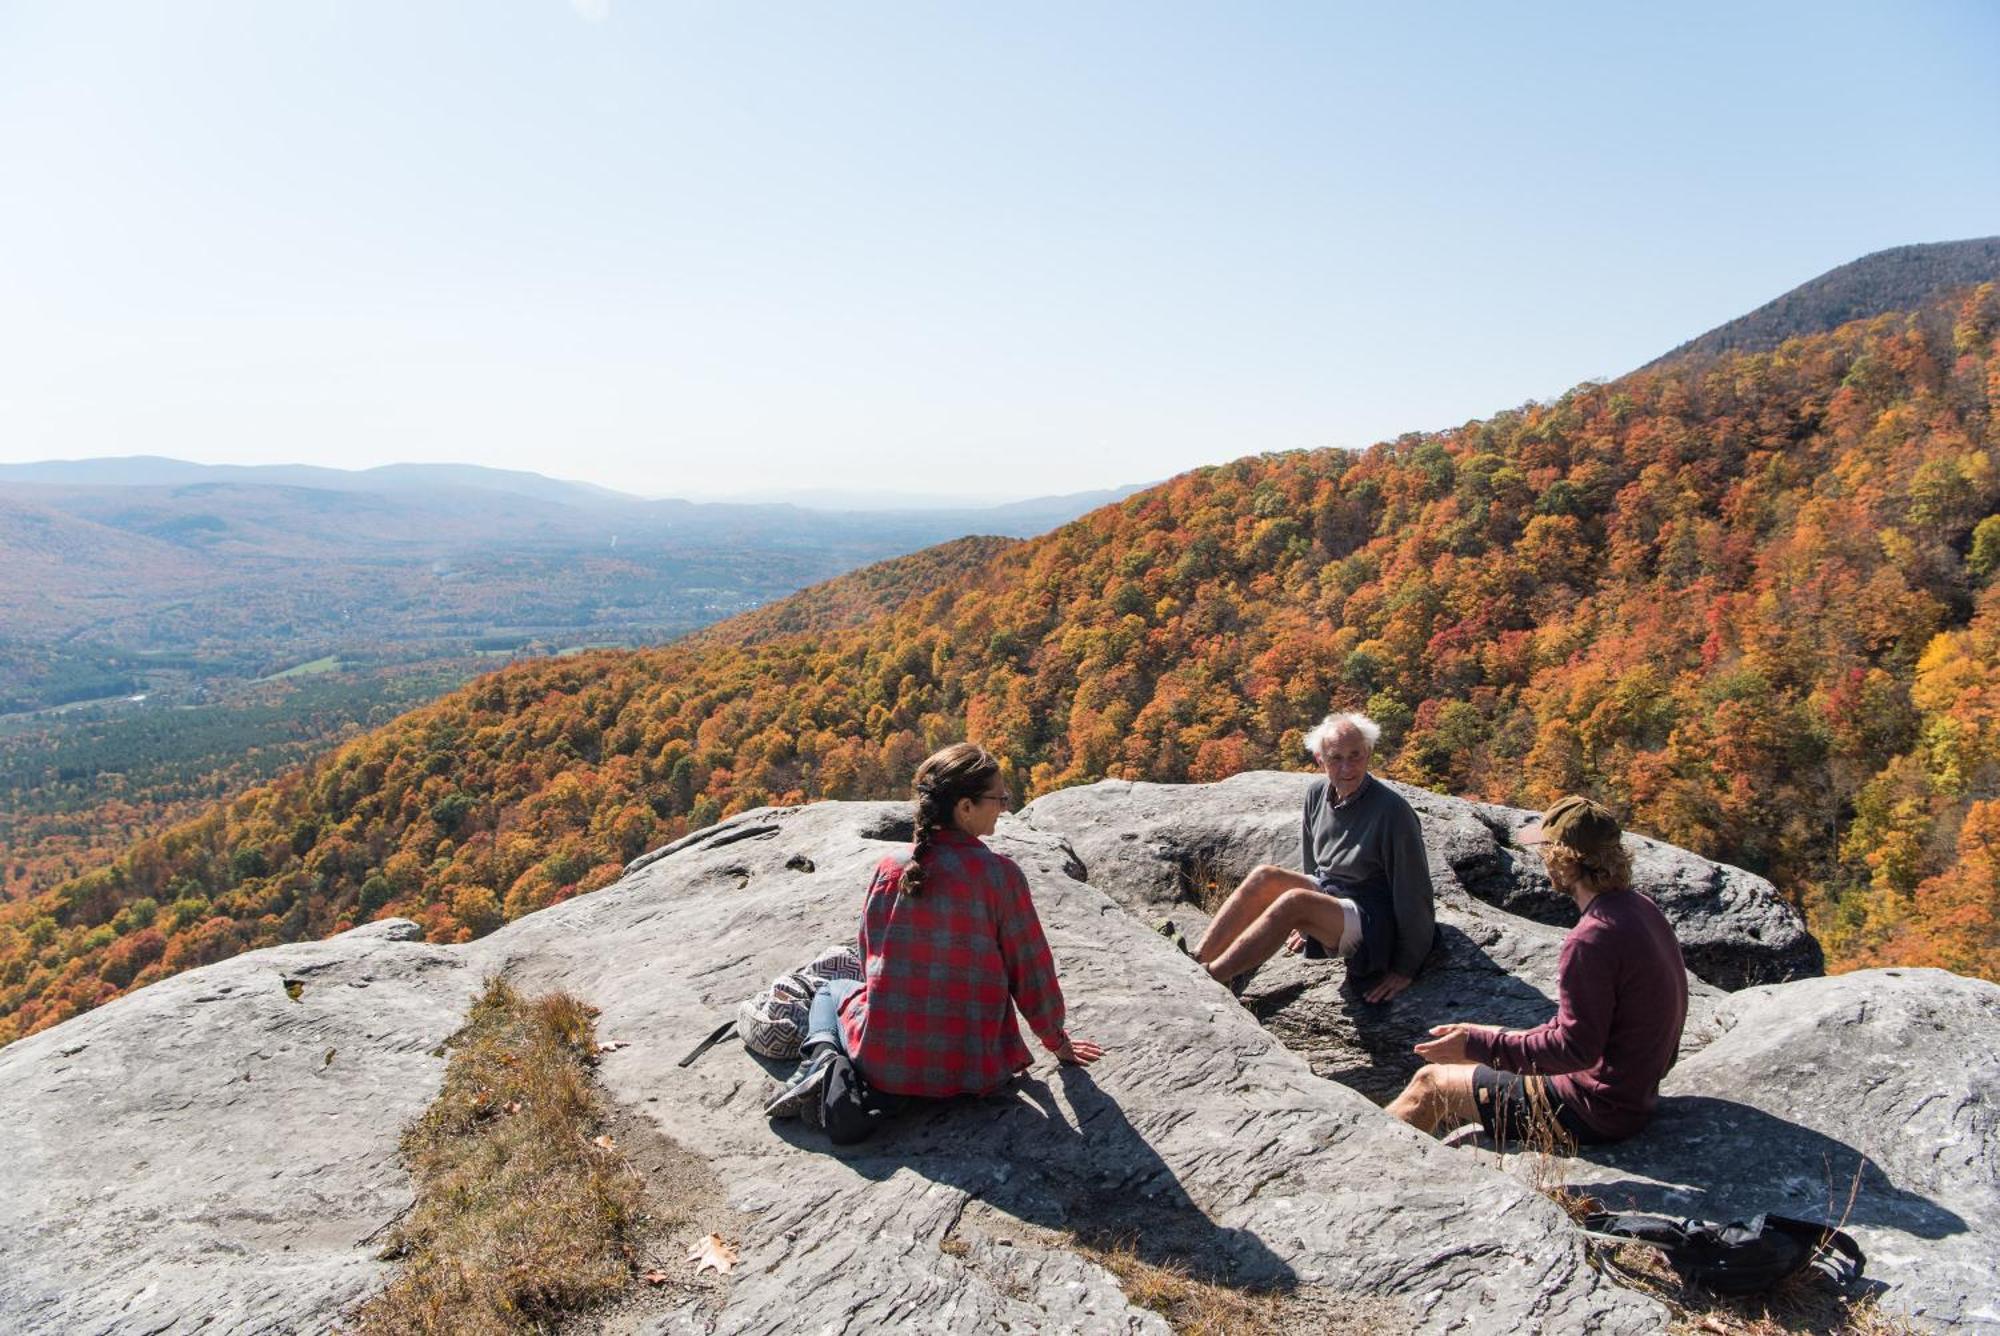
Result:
[
  {"x": 1752, "y": 602},
  {"x": 1898, "y": 279},
  {"x": 858, "y": 597}
]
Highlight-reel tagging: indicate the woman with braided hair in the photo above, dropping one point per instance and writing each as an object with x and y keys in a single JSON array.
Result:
[{"x": 950, "y": 946}]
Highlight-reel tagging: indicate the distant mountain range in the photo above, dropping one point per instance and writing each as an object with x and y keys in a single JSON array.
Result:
[
  {"x": 432, "y": 479},
  {"x": 159, "y": 471},
  {"x": 250, "y": 567},
  {"x": 1892, "y": 280}
]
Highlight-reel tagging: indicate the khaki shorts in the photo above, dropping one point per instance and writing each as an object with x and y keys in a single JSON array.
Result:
[
  {"x": 1350, "y": 927},
  {"x": 1350, "y": 931}
]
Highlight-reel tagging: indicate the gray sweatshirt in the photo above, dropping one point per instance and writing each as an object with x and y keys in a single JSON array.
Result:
[{"x": 1370, "y": 849}]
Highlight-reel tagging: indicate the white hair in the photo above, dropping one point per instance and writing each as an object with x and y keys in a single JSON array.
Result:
[{"x": 1349, "y": 721}]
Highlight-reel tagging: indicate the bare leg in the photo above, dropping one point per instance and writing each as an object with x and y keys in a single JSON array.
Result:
[
  {"x": 1437, "y": 1095},
  {"x": 1311, "y": 911},
  {"x": 1245, "y": 905}
]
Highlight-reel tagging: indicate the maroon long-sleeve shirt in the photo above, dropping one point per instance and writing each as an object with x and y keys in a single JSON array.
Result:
[{"x": 1621, "y": 999}]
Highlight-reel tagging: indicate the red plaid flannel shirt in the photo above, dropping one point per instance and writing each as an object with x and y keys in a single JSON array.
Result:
[{"x": 945, "y": 969}]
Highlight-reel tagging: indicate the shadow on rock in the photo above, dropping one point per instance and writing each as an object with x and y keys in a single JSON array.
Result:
[
  {"x": 1369, "y": 1046},
  {"x": 1070, "y": 1162},
  {"x": 1722, "y": 1160}
]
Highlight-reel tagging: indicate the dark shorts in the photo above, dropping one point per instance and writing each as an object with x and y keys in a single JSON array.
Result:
[{"x": 1522, "y": 1110}]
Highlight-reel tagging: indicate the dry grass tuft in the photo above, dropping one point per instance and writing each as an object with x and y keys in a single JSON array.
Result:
[
  {"x": 1800, "y": 1306},
  {"x": 1191, "y": 1307},
  {"x": 519, "y": 1217},
  {"x": 1208, "y": 882}
]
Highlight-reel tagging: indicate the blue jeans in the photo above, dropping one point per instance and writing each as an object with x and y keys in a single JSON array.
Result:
[{"x": 823, "y": 1021}]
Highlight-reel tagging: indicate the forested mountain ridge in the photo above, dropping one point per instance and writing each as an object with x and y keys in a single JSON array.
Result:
[
  {"x": 859, "y": 596},
  {"x": 1750, "y": 600},
  {"x": 1896, "y": 279}
]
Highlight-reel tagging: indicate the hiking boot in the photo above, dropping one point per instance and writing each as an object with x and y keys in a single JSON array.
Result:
[{"x": 800, "y": 1097}]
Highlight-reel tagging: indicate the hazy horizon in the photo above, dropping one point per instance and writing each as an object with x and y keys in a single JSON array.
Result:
[
  {"x": 971, "y": 254},
  {"x": 811, "y": 497}
]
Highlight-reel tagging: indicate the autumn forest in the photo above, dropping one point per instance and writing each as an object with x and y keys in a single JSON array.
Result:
[{"x": 1751, "y": 599}]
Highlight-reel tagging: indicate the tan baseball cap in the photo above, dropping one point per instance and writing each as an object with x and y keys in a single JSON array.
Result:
[{"x": 1577, "y": 822}]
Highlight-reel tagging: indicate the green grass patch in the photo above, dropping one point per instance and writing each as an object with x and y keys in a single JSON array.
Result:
[
  {"x": 312, "y": 668},
  {"x": 521, "y": 1216}
]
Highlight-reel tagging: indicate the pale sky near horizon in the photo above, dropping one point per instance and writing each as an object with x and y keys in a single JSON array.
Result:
[{"x": 980, "y": 250}]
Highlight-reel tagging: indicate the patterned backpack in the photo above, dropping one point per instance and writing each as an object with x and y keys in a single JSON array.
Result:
[{"x": 773, "y": 1023}]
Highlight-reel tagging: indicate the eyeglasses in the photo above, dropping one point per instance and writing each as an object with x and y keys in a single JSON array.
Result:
[{"x": 1003, "y": 797}]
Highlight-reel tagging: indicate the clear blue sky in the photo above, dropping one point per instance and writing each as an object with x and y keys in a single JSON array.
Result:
[{"x": 984, "y": 249}]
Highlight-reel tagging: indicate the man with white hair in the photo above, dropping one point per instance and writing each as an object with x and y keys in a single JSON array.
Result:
[{"x": 1364, "y": 891}]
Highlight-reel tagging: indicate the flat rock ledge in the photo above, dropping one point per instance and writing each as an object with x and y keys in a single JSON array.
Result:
[
  {"x": 212, "y": 1153},
  {"x": 1867, "y": 1098},
  {"x": 1159, "y": 844},
  {"x": 208, "y": 1153}
]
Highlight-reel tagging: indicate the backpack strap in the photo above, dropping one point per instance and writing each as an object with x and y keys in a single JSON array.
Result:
[
  {"x": 716, "y": 1036},
  {"x": 1834, "y": 1255}
]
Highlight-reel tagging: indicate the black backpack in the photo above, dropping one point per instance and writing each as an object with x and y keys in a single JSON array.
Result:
[{"x": 1742, "y": 1257}]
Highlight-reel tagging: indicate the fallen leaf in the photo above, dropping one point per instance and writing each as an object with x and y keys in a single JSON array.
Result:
[
  {"x": 613, "y": 1045},
  {"x": 329, "y": 1058},
  {"x": 656, "y": 1278},
  {"x": 605, "y": 1142},
  {"x": 712, "y": 1251},
  {"x": 294, "y": 987}
]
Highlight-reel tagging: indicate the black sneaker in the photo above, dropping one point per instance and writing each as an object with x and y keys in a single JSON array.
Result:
[{"x": 800, "y": 1097}]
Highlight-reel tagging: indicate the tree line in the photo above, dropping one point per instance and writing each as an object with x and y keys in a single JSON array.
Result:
[{"x": 1749, "y": 600}]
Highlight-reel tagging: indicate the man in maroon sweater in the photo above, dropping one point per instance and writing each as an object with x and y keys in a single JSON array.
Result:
[{"x": 1621, "y": 997}]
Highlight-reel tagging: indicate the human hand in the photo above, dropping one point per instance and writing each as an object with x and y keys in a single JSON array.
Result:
[
  {"x": 1448, "y": 1046},
  {"x": 1078, "y": 1052},
  {"x": 1391, "y": 985},
  {"x": 1296, "y": 942}
]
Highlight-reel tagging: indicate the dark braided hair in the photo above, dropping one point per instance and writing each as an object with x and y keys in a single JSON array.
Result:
[{"x": 961, "y": 770}]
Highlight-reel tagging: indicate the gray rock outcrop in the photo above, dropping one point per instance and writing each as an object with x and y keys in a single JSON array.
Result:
[
  {"x": 1785, "y": 1096},
  {"x": 1869, "y": 1098},
  {"x": 158, "y": 1189},
  {"x": 1199, "y": 1137},
  {"x": 210, "y": 1152},
  {"x": 1155, "y": 845},
  {"x": 1159, "y": 844}
]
